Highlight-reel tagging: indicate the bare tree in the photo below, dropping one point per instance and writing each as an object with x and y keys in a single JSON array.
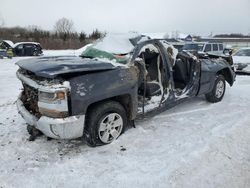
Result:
[
  {"x": 33, "y": 28},
  {"x": 175, "y": 34},
  {"x": 96, "y": 34},
  {"x": 64, "y": 27}
]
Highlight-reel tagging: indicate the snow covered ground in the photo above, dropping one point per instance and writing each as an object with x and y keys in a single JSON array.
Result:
[{"x": 196, "y": 144}]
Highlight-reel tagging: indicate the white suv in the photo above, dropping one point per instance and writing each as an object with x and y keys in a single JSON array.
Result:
[{"x": 204, "y": 47}]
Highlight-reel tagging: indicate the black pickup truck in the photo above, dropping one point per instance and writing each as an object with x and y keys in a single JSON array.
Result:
[{"x": 97, "y": 95}]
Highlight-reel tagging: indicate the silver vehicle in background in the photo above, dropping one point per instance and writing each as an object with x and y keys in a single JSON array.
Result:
[
  {"x": 204, "y": 47},
  {"x": 241, "y": 59}
]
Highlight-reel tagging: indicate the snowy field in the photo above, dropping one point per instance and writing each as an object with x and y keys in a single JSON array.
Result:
[{"x": 196, "y": 144}]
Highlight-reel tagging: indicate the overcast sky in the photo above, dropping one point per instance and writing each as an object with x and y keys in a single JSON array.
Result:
[{"x": 192, "y": 16}]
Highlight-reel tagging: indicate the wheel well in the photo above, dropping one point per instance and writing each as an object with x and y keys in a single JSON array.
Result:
[
  {"x": 227, "y": 75},
  {"x": 124, "y": 100}
]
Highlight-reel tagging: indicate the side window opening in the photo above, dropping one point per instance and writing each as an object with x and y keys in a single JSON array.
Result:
[
  {"x": 20, "y": 47},
  {"x": 28, "y": 49},
  {"x": 247, "y": 53},
  {"x": 151, "y": 87},
  {"x": 182, "y": 71},
  {"x": 215, "y": 47},
  {"x": 208, "y": 48},
  {"x": 220, "y": 47}
]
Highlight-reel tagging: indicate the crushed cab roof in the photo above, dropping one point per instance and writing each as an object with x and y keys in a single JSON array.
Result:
[{"x": 118, "y": 43}]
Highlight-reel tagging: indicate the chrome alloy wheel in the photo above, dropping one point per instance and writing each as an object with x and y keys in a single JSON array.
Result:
[
  {"x": 110, "y": 127},
  {"x": 220, "y": 87}
]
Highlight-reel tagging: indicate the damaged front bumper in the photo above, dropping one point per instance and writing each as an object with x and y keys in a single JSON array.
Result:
[{"x": 58, "y": 128}]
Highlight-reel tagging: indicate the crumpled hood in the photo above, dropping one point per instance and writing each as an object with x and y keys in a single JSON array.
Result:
[{"x": 50, "y": 67}]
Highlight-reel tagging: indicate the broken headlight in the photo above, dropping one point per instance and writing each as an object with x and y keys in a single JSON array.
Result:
[
  {"x": 53, "y": 104},
  {"x": 46, "y": 96}
]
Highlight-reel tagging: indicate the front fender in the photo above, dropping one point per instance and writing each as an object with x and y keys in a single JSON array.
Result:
[
  {"x": 94, "y": 87},
  {"x": 209, "y": 69}
]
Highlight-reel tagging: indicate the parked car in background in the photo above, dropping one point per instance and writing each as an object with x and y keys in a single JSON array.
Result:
[
  {"x": 6, "y": 49},
  {"x": 27, "y": 49},
  {"x": 7, "y": 44},
  {"x": 6, "y": 53},
  {"x": 201, "y": 47},
  {"x": 241, "y": 58},
  {"x": 2, "y": 53}
]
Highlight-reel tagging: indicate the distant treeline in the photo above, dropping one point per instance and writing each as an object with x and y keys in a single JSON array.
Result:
[
  {"x": 48, "y": 39},
  {"x": 233, "y": 35}
]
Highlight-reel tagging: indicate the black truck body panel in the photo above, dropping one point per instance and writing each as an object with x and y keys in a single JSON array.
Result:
[
  {"x": 92, "y": 81},
  {"x": 91, "y": 88}
]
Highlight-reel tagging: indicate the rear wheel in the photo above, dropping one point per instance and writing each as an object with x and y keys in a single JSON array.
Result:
[
  {"x": 35, "y": 53},
  {"x": 217, "y": 94},
  {"x": 105, "y": 123}
]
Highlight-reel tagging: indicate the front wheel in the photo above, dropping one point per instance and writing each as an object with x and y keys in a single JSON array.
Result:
[
  {"x": 105, "y": 123},
  {"x": 218, "y": 91}
]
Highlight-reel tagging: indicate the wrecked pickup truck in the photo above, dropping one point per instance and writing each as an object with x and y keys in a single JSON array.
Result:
[{"x": 97, "y": 95}]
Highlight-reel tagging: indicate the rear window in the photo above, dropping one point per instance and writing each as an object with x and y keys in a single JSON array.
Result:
[
  {"x": 91, "y": 52},
  {"x": 208, "y": 48},
  {"x": 215, "y": 47}
]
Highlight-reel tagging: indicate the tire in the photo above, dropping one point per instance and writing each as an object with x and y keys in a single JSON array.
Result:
[
  {"x": 105, "y": 122},
  {"x": 219, "y": 88},
  {"x": 35, "y": 53}
]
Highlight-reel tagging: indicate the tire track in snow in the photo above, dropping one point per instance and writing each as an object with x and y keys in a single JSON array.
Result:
[
  {"x": 182, "y": 113},
  {"x": 7, "y": 104}
]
